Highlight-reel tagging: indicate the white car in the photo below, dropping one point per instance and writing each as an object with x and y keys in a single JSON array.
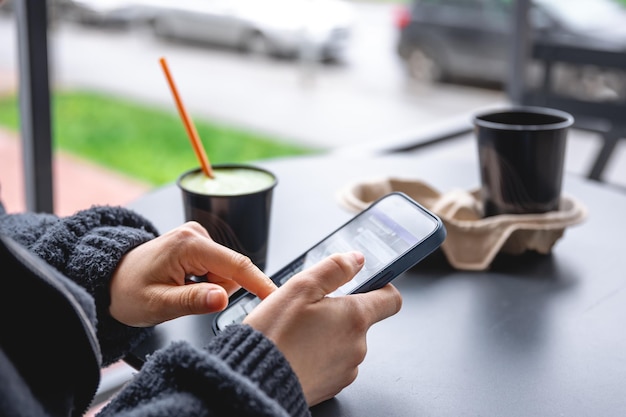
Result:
[
  {"x": 107, "y": 12},
  {"x": 285, "y": 28}
]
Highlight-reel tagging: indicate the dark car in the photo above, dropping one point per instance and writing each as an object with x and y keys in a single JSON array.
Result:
[{"x": 470, "y": 39}]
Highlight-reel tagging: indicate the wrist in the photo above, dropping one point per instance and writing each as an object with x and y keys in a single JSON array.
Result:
[{"x": 249, "y": 352}]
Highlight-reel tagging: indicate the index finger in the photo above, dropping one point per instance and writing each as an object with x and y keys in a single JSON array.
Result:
[{"x": 239, "y": 268}]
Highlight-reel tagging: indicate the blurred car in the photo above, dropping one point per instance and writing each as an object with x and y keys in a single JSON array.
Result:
[
  {"x": 281, "y": 28},
  {"x": 470, "y": 39},
  {"x": 112, "y": 12}
]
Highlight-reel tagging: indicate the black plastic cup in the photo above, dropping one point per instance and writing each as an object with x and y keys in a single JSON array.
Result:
[
  {"x": 521, "y": 153},
  {"x": 240, "y": 221}
]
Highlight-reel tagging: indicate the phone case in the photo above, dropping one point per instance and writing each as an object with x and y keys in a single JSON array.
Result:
[{"x": 393, "y": 268}]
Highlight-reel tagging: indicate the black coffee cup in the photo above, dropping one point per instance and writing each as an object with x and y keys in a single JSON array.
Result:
[
  {"x": 521, "y": 152},
  {"x": 235, "y": 216}
]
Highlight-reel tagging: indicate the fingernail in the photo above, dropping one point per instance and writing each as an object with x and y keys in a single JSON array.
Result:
[{"x": 214, "y": 297}]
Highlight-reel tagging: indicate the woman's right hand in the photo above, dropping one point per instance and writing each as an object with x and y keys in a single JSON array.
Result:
[
  {"x": 323, "y": 338},
  {"x": 149, "y": 287}
]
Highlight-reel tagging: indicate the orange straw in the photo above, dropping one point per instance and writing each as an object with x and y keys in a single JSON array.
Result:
[{"x": 189, "y": 126}]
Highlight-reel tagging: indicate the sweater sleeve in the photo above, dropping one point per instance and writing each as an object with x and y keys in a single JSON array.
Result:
[
  {"x": 240, "y": 373},
  {"x": 86, "y": 247}
]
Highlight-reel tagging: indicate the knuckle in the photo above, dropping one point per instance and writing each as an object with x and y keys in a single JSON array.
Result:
[
  {"x": 188, "y": 301},
  {"x": 362, "y": 351},
  {"x": 186, "y": 231},
  {"x": 360, "y": 323},
  {"x": 241, "y": 262},
  {"x": 193, "y": 227},
  {"x": 188, "y": 235},
  {"x": 398, "y": 299},
  {"x": 360, "y": 319},
  {"x": 395, "y": 298},
  {"x": 198, "y": 228},
  {"x": 351, "y": 376},
  {"x": 153, "y": 305}
]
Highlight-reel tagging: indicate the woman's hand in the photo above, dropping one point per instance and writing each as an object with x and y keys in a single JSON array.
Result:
[
  {"x": 323, "y": 338},
  {"x": 149, "y": 284}
]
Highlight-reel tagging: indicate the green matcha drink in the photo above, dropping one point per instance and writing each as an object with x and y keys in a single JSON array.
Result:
[
  {"x": 234, "y": 206},
  {"x": 228, "y": 181}
]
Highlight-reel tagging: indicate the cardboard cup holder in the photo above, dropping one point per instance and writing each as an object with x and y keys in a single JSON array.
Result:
[{"x": 473, "y": 241}]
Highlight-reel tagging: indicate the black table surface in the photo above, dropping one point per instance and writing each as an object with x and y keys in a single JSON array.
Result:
[{"x": 535, "y": 335}]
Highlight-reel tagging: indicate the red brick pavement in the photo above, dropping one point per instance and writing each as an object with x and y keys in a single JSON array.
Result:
[{"x": 77, "y": 184}]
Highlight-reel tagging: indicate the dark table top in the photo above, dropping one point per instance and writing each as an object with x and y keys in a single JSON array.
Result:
[{"x": 536, "y": 335}]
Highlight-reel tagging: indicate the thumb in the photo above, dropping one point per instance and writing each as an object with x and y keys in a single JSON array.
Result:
[
  {"x": 199, "y": 298},
  {"x": 328, "y": 274}
]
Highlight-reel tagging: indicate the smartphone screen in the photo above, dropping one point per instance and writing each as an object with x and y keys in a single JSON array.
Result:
[{"x": 394, "y": 234}]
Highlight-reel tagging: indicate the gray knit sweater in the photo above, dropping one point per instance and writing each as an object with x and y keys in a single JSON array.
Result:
[{"x": 55, "y": 332}]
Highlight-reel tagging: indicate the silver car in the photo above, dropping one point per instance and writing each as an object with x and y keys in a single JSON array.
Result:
[
  {"x": 112, "y": 12},
  {"x": 282, "y": 28}
]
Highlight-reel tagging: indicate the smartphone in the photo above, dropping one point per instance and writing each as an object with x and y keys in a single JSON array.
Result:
[{"x": 394, "y": 233}]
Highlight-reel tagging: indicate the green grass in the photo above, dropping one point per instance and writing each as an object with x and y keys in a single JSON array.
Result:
[{"x": 146, "y": 143}]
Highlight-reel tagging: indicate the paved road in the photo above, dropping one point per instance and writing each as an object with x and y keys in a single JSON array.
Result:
[{"x": 366, "y": 99}]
